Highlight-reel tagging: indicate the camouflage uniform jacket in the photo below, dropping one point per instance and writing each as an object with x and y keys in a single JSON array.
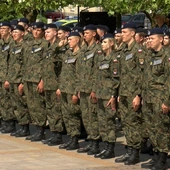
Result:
[
  {"x": 107, "y": 80},
  {"x": 4, "y": 55},
  {"x": 15, "y": 62},
  {"x": 156, "y": 77},
  {"x": 68, "y": 78},
  {"x": 34, "y": 59},
  {"x": 131, "y": 73},
  {"x": 28, "y": 37},
  {"x": 87, "y": 66}
]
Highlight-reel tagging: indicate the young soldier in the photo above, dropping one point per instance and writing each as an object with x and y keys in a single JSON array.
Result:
[{"x": 166, "y": 41}]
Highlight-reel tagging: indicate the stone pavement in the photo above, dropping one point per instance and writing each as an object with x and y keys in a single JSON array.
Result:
[{"x": 19, "y": 154}]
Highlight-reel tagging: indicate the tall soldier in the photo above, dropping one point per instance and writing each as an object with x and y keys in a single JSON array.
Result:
[
  {"x": 155, "y": 94},
  {"x": 69, "y": 97},
  {"x": 51, "y": 72},
  {"x": 6, "y": 106},
  {"x": 129, "y": 95},
  {"x": 14, "y": 80},
  {"x": 86, "y": 87},
  {"x": 33, "y": 83}
]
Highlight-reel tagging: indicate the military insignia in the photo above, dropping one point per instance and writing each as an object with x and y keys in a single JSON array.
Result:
[
  {"x": 38, "y": 49},
  {"x": 99, "y": 52},
  {"x": 149, "y": 33},
  {"x": 129, "y": 57},
  {"x": 115, "y": 71},
  {"x": 168, "y": 59},
  {"x": 104, "y": 66},
  {"x": 17, "y": 51},
  {"x": 6, "y": 48},
  {"x": 115, "y": 60},
  {"x": 140, "y": 51},
  {"x": 156, "y": 62},
  {"x": 141, "y": 61},
  {"x": 118, "y": 56},
  {"x": 89, "y": 56},
  {"x": 72, "y": 60}
]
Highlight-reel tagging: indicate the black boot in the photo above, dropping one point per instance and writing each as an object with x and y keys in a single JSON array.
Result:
[
  {"x": 102, "y": 152},
  {"x": 161, "y": 163},
  {"x": 24, "y": 132},
  {"x": 124, "y": 157},
  {"x": 144, "y": 147},
  {"x": 10, "y": 127},
  {"x": 95, "y": 148},
  {"x": 85, "y": 149},
  {"x": 56, "y": 139},
  {"x": 3, "y": 125},
  {"x": 152, "y": 162},
  {"x": 39, "y": 135},
  {"x": 74, "y": 144},
  {"x": 65, "y": 145},
  {"x": 109, "y": 153},
  {"x": 134, "y": 158},
  {"x": 16, "y": 132},
  {"x": 45, "y": 141}
]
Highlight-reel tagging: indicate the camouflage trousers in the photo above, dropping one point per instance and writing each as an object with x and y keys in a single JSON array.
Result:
[
  {"x": 106, "y": 119},
  {"x": 89, "y": 116},
  {"x": 19, "y": 104},
  {"x": 71, "y": 115},
  {"x": 36, "y": 104},
  {"x": 156, "y": 125},
  {"x": 131, "y": 122},
  {"x": 6, "y": 108},
  {"x": 53, "y": 111}
]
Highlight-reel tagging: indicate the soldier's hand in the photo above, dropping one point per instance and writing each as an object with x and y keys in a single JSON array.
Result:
[
  {"x": 6, "y": 85},
  {"x": 93, "y": 97},
  {"x": 112, "y": 103},
  {"x": 21, "y": 89},
  {"x": 136, "y": 103},
  {"x": 58, "y": 93},
  {"x": 40, "y": 87},
  {"x": 74, "y": 99},
  {"x": 165, "y": 109}
]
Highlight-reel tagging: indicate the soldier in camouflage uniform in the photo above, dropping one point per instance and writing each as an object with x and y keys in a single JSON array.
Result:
[
  {"x": 129, "y": 95},
  {"x": 51, "y": 72},
  {"x": 107, "y": 83},
  {"x": 155, "y": 96},
  {"x": 87, "y": 79},
  {"x": 6, "y": 106},
  {"x": 69, "y": 97},
  {"x": 33, "y": 84},
  {"x": 14, "y": 80}
]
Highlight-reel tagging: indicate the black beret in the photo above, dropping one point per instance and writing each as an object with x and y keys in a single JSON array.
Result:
[
  {"x": 167, "y": 34},
  {"x": 24, "y": 20},
  {"x": 90, "y": 27},
  {"x": 18, "y": 27},
  {"x": 129, "y": 25},
  {"x": 117, "y": 31},
  {"x": 103, "y": 27},
  {"x": 38, "y": 25},
  {"x": 155, "y": 31},
  {"x": 109, "y": 35},
  {"x": 47, "y": 26},
  {"x": 65, "y": 28},
  {"x": 139, "y": 30},
  {"x": 74, "y": 34},
  {"x": 5, "y": 24},
  {"x": 77, "y": 29}
]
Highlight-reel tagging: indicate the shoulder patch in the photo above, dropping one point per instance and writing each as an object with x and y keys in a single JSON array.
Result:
[
  {"x": 140, "y": 51},
  {"x": 99, "y": 52}
]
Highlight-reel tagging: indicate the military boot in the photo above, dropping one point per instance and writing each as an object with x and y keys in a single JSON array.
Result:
[
  {"x": 124, "y": 157},
  {"x": 39, "y": 135},
  {"x": 161, "y": 163},
  {"x": 152, "y": 162},
  {"x": 45, "y": 141},
  {"x": 10, "y": 127},
  {"x": 24, "y": 132},
  {"x": 3, "y": 125},
  {"x": 102, "y": 152},
  {"x": 95, "y": 148},
  {"x": 16, "y": 132},
  {"x": 134, "y": 158},
  {"x": 56, "y": 139},
  {"x": 65, "y": 145},
  {"x": 144, "y": 147},
  {"x": 74, "y": 144},
  {"x": 109, "y": 153},
  {"x": 86, "y": 148}
]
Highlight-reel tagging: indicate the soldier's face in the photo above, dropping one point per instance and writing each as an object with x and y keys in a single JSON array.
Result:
[
  {"x": 89, "y": 35},
  {"x": 100, "y": 32},
  {"x": 118, "y": 38},
  {"x": 138, "y": 38},
  {"x": 166, "y": 40},
  {"x": 155, "y": 42},
  {"x": 73, "y": 41},
  {"x": 37, "y": 33},
  {"x": 62, "y": 35},
  {"x": 17, "y": 35},
  {"x": 4, "y": 30},
  {"x": 127, "y": 34},
  {"x": 50, "y": 34},
  {"x": 106, "y": 45}
]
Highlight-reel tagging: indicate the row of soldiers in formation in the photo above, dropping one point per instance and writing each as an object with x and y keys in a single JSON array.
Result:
[{"x": 89, "y": 76}]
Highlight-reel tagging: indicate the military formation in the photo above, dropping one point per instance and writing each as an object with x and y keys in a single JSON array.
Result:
[{"x": 87, "y": 77}]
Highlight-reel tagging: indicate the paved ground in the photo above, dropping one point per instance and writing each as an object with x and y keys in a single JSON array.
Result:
[{"x": 19, "y": 154}]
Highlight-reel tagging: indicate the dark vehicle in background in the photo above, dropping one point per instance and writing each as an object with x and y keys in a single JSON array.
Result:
[
  {"x": 125, "y": 18},
  {"x": 54, "y": 15}
]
